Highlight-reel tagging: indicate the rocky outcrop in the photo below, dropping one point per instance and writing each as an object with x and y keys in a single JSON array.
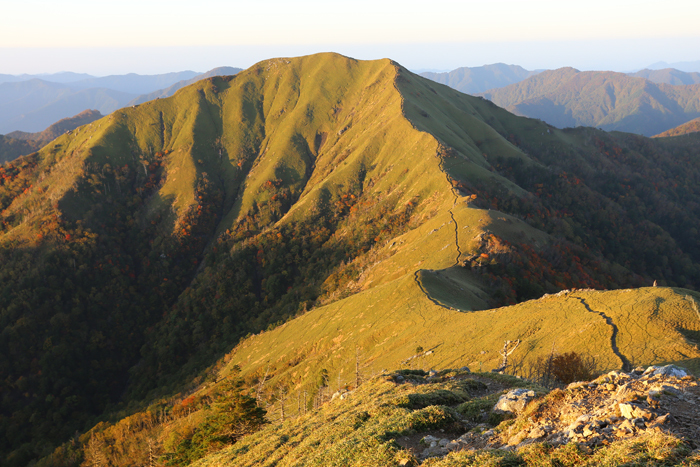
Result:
[{"x": 615, "y": 406}]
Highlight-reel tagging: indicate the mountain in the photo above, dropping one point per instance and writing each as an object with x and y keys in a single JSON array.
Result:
[
  {"x": 57, "y": 129},
  {"x": 314, "y": 217},
  {"x": 688, "y": 67},
  {"x": 29, "y": 104},
  {"x": 33, "y": 105},
  {"x": 133, "y": 83},
  {"x": 668, "y": 76},
  {"x": 170, "y": 90},
  {"x": 612, "y": 101},
  {"x": 479, "y": 79},
  {"x": 692, "y": 126},
  {"x": 63, "y": 77},
  {"x": 19, "y": 143}
]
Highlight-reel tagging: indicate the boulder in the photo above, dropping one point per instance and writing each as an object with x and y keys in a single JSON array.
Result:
[
  {"x": 632, "y": 411},
  {"x": 514, "y": 401},
  {"x": 668, "y": 370}
]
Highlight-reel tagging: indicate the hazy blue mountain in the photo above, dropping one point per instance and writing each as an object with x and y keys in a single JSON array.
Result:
[
  {"x": 482, "y": 78},
  {"x": 170, "y": 90},
  {"x": 34, "y": 105},
  {"x": 668, "y": 76},
  {"x": 62, "y": 77},
  {"x": 133, "y": 83},
  {"x": 682, "y": 66},
  {"x": 30, "y": 104}
]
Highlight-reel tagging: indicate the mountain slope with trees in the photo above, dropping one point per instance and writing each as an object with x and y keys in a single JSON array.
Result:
[
  {"x": 138, "y": 250},
  {"x": 692, "y": 126},
  {"x": 612, "y": 101}
]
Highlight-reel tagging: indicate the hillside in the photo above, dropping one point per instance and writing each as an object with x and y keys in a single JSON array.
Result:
[
  {"x": 692, "y": 126},
  {"x": 612, "y": 101},
  {"x": 140, "y": 249},
  {"x": 410, "y": 417},
  {"x": 18, "y": 143},
  {"x": 447, "y": 418},
  {"x": 479, "y": 79}
]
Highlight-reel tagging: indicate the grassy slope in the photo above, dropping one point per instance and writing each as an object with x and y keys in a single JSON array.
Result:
[
  {"x": 376, "y": 426},
  {"x": 389, "y": 322}
]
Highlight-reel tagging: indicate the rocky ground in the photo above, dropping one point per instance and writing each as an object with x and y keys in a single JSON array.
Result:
[{"x": 616, "y": 406}]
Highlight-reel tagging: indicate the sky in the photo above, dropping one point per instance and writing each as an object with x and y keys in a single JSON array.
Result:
[{"x": 155, "y": 36}]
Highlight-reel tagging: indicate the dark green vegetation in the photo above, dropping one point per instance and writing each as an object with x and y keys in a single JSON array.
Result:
[
  {"x": 138, "y": 250},
  {"x": 612, "y": 101},
  {"x": 19, "y": 143},
  {"x": 482, "y": 78}
]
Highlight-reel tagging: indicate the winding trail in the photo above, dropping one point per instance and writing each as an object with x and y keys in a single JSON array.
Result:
[
  {"x": 425, "y": 292},
  {"x": 441, "y": 165},
  {"x": 459, "y": 252},
  {"x": 626, "y": 365}
]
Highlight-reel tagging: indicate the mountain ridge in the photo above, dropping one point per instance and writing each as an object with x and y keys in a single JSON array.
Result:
[
  {"x": 168, "y": 231},
  {"x": 611, "y": 101},
  {"x": 472, "y": 80}
]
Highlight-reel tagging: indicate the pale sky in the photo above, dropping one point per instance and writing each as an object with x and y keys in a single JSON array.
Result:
[{"x": 155, "y": 36}]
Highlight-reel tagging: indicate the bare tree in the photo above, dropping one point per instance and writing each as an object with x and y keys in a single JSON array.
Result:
[{"x": 508, "y": 348}]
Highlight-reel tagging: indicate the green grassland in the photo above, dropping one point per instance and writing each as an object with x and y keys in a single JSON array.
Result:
[{"x": 387, "y": 324}]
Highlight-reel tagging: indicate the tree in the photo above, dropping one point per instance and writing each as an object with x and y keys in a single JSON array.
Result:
[{"x": 233, "y": 416}]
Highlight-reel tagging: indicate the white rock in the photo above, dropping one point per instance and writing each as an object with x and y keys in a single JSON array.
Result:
[{"x": 514, "y": 401}]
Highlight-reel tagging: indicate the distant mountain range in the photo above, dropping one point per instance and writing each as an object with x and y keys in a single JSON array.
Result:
[
  {"x": 63, "y": 77},
  {"x": 682, "y": 66},
  {"x": 170, "y": 90},
  {"x": 612, "y": 101},
  {"x": 668, "y": 76},
  {"x": 482, "y": 78},
  {"x": 31, "y": 103}
]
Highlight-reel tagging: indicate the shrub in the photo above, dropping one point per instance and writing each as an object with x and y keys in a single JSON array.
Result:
[{"x": 562, "y": 369}]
